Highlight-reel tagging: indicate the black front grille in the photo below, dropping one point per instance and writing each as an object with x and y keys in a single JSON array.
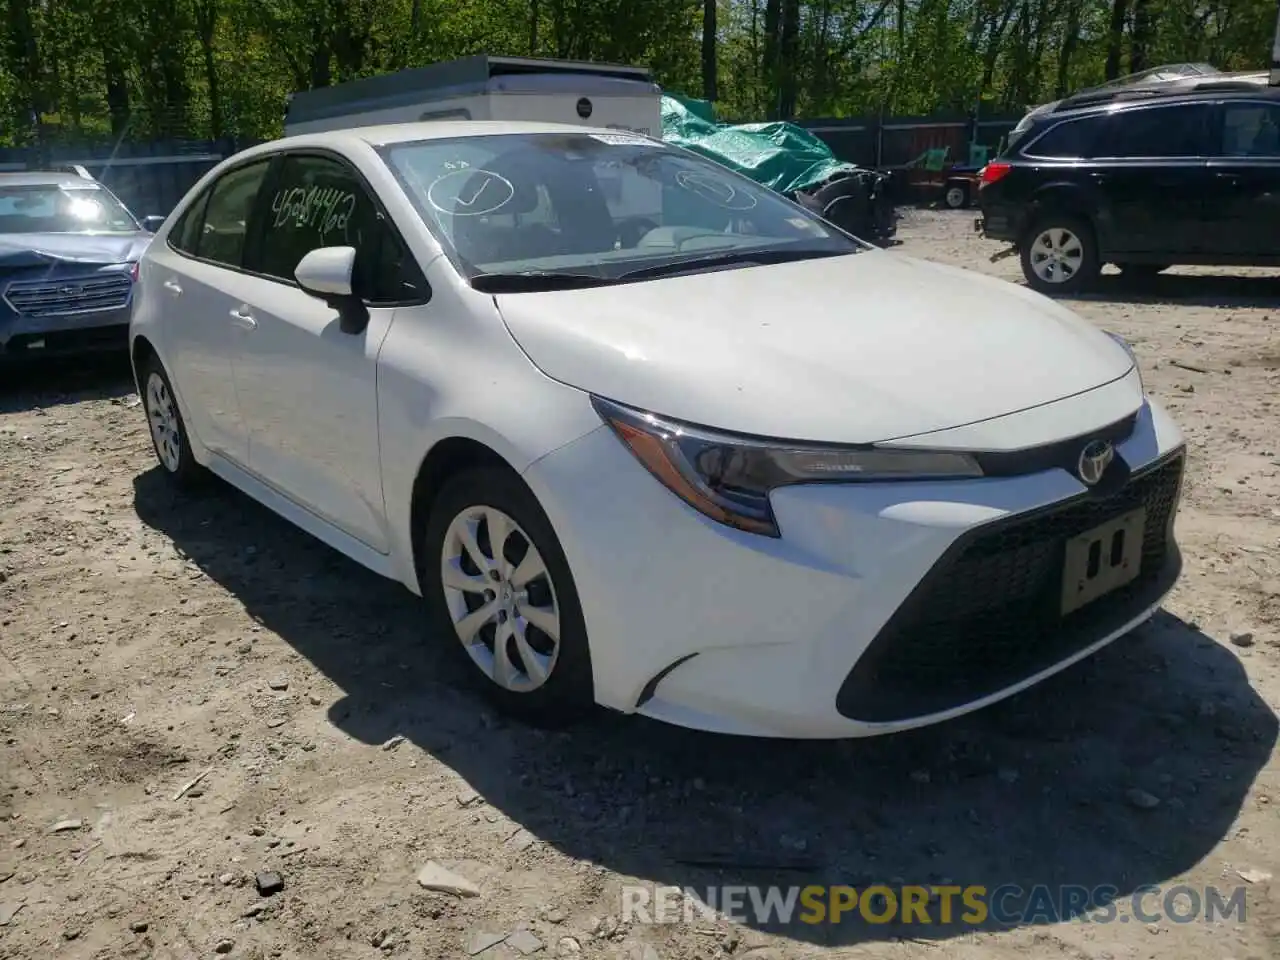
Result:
[{"x": 988, "y": 614}]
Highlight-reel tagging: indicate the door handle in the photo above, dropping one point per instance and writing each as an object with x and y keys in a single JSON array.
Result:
[
  {"x": 243, "y": 319},
  {"x": 1232, "y": 178},
  {"x": 173, "y": 287}
]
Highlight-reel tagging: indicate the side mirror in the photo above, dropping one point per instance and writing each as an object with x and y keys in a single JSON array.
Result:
[
  {"x": 153, "y": 223},
  {"x": 326, "y": 273}
]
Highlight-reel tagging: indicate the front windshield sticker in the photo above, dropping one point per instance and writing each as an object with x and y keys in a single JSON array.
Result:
[
  {"x": 715, "y": 189},
  {"x": 471, "y": 192},
  {"x": 622, "y": 140}
]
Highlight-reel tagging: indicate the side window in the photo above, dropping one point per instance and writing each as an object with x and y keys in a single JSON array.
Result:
[
  {"x": 185, "y": 235},
  {"x": 388, "y": 273},
  {"x": 1067, "y": 141},
  {"x": 226, "y": 214},
  {"x": 1251, "y": 130},
  {"x": 319, "y": 202},
  {"x": 1155, "y": 132}
]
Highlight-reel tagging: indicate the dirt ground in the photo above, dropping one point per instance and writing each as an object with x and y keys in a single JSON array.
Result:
[{"x": 147, "y": 641}]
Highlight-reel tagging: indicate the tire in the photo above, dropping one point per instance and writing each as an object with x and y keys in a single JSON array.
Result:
[
  {"x": 1142, "y": 271},
  {"x": 956, "y": 196},
  {"x": 1071, "y": 239},
  {"x": 167, "y": 428},
  {"x": 472, "y": 501}
]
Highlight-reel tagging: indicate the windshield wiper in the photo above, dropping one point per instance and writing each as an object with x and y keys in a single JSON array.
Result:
[
  {"x": 533, "y": 280},
  {"x": 711, "y": 261}
]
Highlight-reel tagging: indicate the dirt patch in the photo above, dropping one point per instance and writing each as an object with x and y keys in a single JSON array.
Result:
[{"x": 209, "y": 694}]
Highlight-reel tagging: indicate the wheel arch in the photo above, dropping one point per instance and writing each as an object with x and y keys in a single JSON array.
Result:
[
  {"x": 140, "y": 351},
  {"x": 1061, "y": 199},
  {"x": 446, "y": 458}
]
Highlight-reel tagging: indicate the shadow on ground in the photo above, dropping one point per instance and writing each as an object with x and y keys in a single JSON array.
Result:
[
  {"x": 1033, "y": 791},
  {"x": 45, "y": 384},
  {"x": 1187, "y": 289}
]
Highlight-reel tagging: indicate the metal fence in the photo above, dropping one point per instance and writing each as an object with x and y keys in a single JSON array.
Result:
[
  {"x": 152, "y": 177},
  {"x": 149, "y": 177},
  {"x": 890, "y": 142}
]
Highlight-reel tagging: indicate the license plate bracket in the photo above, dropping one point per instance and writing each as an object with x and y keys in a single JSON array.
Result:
[{"x": 1102, "y": 559}]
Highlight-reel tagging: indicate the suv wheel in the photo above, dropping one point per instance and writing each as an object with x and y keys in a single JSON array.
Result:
[{"x": 1060, "y": 256}]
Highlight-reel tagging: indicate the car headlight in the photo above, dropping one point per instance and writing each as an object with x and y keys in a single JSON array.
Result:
[{"x": 729, "y": 477}]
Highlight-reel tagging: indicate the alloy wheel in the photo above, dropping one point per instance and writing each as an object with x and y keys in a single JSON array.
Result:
[
  {"x": 500, "y": 598},
  {"x": 1057, "y": 255},
  {"x": 162, "y": 414}
]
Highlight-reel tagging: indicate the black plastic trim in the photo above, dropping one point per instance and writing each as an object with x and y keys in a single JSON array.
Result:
[
  {"x": 651, "y": 687},
  {"x": 875, "y": 691},
  {"x": 1062, "y": 454}
]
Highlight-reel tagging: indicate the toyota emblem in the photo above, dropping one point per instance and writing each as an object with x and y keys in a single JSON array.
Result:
[{"x": 1094, "y": 460}]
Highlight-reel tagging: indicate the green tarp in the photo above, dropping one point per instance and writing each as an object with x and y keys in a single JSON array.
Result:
[{"x": 779, "y": 155}]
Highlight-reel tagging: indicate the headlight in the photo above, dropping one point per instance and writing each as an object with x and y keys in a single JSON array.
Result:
[{"x": 728, "y": 478}]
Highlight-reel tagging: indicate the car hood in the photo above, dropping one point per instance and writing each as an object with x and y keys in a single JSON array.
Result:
[
  {"x": 856, "y": 349},
  {"x": 37, "y": 249}
]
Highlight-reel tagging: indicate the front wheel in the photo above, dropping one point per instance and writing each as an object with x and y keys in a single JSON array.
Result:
[
  {"x": 1060, "y": 256},
  {"x": 500, "y": 592}
]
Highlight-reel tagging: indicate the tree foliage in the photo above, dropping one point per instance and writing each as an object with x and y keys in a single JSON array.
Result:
[{"x": 110, "y": 69}]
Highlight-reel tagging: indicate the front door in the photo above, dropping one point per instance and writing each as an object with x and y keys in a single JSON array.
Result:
[
  {"x": 1243, "y": 199},
  {"x": 309, "y": 391},
  {"x": 1149, "y": 167},
  {"x": 190, "y": 282}
]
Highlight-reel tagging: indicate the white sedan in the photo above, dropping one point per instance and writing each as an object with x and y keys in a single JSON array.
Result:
[{"x": 646, "y": 435}]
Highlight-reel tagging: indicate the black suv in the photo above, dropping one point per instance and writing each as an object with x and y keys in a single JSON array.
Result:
[{"x": 1143, "y": 176}]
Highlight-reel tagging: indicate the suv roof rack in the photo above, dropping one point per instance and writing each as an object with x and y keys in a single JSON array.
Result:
[{"x": 1180, "y": 86}]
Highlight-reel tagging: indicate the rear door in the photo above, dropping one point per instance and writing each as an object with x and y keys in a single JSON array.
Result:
[
  {"x": 192, "y": 281},
  {"x": 1150, "y": 167},
  {"x": 1243, "y": 200}
]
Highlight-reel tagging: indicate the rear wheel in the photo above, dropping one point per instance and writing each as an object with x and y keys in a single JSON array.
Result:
[
  {"x": 168, "y": 431},
  {"x": 1060, "y": 256},
  {"x": 956, "y": 197},
  {"x": 500, "y": 592}
]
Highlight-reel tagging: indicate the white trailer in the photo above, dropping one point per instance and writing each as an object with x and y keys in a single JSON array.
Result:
[{"x": 487, "y": 88}]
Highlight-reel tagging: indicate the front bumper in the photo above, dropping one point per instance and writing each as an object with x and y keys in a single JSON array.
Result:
[
  {"x": 882, "y": 607},
  {"x": 31, "y": 338}
]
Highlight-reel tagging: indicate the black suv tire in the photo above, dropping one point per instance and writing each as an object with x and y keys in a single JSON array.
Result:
[{"x": 1064, "y": 241}]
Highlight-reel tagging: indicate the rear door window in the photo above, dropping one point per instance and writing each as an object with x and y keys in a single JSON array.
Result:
[
  {"x": 185, "y": 235},
  {"x": 1156, "y": 133},
  {"x": 226, "y": 214},
  {"x": 1070, "y": 140},
  {"x": 1251, "y": 130}
]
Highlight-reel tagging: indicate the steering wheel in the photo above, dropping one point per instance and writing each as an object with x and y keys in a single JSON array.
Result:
[{"x": 631, "y": 230}]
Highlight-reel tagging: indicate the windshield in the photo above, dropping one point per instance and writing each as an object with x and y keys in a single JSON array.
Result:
[
  {"x": 600, "y": 206},
  {"x": 49, "y": 208}
]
